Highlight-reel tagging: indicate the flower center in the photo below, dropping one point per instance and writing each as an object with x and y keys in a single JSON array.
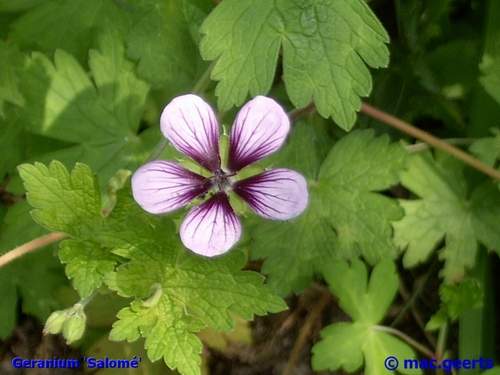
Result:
[{"x": 221, "y": 180}]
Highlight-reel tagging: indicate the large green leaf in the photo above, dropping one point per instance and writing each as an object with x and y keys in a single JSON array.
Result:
[
  {"x": 346, "y": 216},
  {"x": 100, "y": 115},
  {"x": 326, "y": 46},
  {"x": 160, "y": 39},
  {"x": 69, "y": 25}
]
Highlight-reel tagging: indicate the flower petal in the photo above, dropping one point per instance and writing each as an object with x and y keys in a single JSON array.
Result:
[
  {"x": 212, "y": 228},
  {"x": 259, "y": 130},
  {"x": 189, "y": 123},
  {"x": 163, "y": 186},
  {"x": 278, "y": 194}
]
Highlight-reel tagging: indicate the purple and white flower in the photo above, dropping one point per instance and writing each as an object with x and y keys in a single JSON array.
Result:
[{"x": 190, "y": 125}]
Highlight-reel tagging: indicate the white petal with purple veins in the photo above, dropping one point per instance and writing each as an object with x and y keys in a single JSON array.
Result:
[
  {"x": 212, "y": 228},
  {"x": 259, "y": 130},
  {"x": 189, "y": 123},
  {"x": 164, "y": 186},
  {"x": 279, "y": 194}
]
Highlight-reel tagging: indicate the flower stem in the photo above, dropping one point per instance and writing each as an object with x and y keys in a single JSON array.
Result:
[
  {"x": 418, "y": 346},
  {"x": 429, "y": 139},
  {"x": 296, "y": 113},
  {"x": 85, "y": 301},
  {"x": 201, "y": 85},
  {"x": 30, "y": 246},
  {"x": 158, "y": 150}
]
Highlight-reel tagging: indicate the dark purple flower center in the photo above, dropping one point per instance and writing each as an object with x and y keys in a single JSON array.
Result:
[{"x": 221, "y": 180}]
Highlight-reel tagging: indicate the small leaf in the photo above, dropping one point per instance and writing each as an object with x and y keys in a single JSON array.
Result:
[
  {"x": 456, "y": 300},
  {"x": 349, "y": 345},
  {"x": 448, "y": 209},
  {"x": 63, "y": 201}
]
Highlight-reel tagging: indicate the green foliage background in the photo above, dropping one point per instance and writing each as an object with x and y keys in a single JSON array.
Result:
[{"x": 82, "y": 84}]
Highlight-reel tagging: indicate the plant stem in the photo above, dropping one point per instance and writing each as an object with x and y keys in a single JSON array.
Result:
[
  {"x": 418, "y": 346},
  {"x": 441, "y": 344},
  {"x": 305, "y": 332},
  {"x": 296, "y": 113},
  {"x": 410, "y": 303},
  {"x": 85, "y": 301},
  {"x": 417, "y": 147},
  {"x": 30, "y": 246},
  {"x": 158, "y": 150},
  {"x": 429, "y": 139},
  {"x": 201, "y": 85}
]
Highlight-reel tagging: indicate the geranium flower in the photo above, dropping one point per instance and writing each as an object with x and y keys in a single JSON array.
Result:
[{"x": 190, "y": 125}]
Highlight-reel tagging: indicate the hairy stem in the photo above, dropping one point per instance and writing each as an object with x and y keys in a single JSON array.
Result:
[
  {"x": 418, "y": 346},
  {"x": 429, "y": 139},
  {"x": 30, "y": 246},
  {"x": 410, "y": 303}
]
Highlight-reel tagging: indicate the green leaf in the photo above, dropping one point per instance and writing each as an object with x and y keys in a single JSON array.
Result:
[
  {"x": 20, "y": 281},
  {"x": 86, "y": 264},
  {"x": 71, "y": 203},
  {"x": 104, "y": 347},
  {"x": 456, "y": 300},
  {"x": 490, "y": 69},
  {"x": 488, "y": 149},
  {"x": 101, "y": 116},
  {"x": 344, "y": 345},
  {"x": 307, "y": 147},
  {"x": 189, "y": 293},
  {"x": 448, "y": 209},
  {"x": 168, "y": 334},
  {"x": 346, "y": 216},
  {"x": 186, "y": 294},
  {"x": 63, "y": 201},
  {"x": 69, "y": 25},
  {"x": 326, "y": 47},
  {"x": 161, "y": 41},
  {"x": 11, "y": 61}
]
